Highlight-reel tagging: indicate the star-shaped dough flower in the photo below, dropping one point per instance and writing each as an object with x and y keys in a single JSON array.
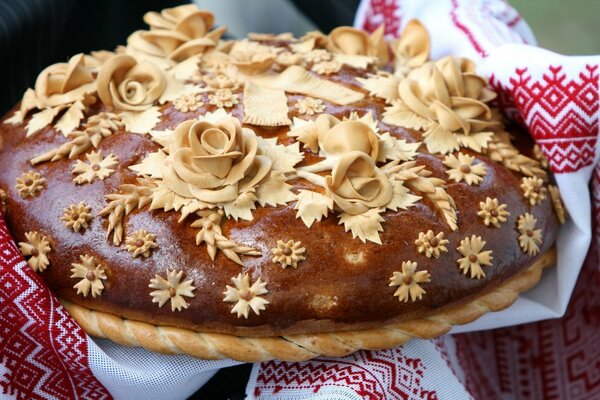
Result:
[
  {"x": 557, "y": 203},
  {"x": 327, "y": 67},
  {"x": 77, "y": 216},
  {"x": 29, "y": 184},
  {"x": 534, "y": 190},
  {"x": 309, "y": 106},
  {"x": 188, "y": 102},
  {"x": 221, "y": 81},
  {"x": 287, "y": 58},
  {"x": 530, "y": 238},
  {"x": 462, "y": 168},
  {"x": 97, "y": 167},
  {"x": 408, "y": 282},
  {"x": 36, "y": 250},
  {"x": 171, "y": 289},
  {"x": 246, "y": 297},
  {"x": 223, "y": 98},
  {"x": 473, "y": 258},
  {"x": 431, "y": 245},
  {"x": 90, "y": 275},
  {"x": 140, "y": 243},
  {"x": 288, "y": 253},
  {"x": 317, "y": 56},
  {"x": 492, "y": 212}
]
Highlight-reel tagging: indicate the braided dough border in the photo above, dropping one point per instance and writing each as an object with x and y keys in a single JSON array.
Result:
[{"x": 213, "y": 346}]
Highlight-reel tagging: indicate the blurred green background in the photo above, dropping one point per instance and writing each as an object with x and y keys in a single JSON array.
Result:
[{"x": 568, "y": 27}]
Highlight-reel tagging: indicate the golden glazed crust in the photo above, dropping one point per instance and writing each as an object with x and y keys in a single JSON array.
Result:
[
  {"x": 213, "y": 346},
  {"x": 242, "y": 213}
]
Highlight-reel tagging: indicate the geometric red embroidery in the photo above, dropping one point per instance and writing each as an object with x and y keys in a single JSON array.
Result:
[
  {"x": 43, "y": 352},
  {"x": 560, "y": 113},
  {"x": 370, "y": 374},
  {"x": 383, "y": 12}
]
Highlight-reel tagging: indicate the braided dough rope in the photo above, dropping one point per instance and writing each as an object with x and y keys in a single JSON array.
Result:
[{"x": 212, "y": 346}]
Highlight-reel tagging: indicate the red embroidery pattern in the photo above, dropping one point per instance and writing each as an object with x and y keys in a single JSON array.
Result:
[
  {"x": 596, "y": 205},
  {"x": 556, "y": 359},
  {"x": 43, "y": 351},
  {"x": 561, "y": 114},
  {"x": 372, "y": 375},
  {"x": 383, "y": 12},
  {"x": 454, "y": 15}
]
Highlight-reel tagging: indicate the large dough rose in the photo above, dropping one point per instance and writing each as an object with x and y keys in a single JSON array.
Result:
[
  {"x": 356, "y": 184},
  {"x": 450, "y": 93},
  {"x": 176, "y": 34},
  {"x": 214, "y": 163},
  {"x": 63, "y": 83},
  {"x": 127, "y": 85}
]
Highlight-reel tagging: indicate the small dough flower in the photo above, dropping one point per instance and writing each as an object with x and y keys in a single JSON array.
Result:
[
  {"x": 474, "y": 258},
  {"x": 98, "y": 167},
  {"x": 29, "y": 184},
  {"x": 171, "y": 289},
  {"x": 140, "y": 243},
  {"x": 287, "y": 58},
  {"x": 530, "y": 238},
  {"x": 288, "y": 253},
  {"x": 462, "y": 168},
  {"x": 327, "y": 67},
  {"x": 430, "y": 244},
  {"x": 223, "y": 98},
  {"x": 317, "y": 56},
  {"x": 557, "y": 203},
  {"x": 534, "y": 190},
  {"x": 221, "y": 81},
  {"x": 246, "y": 297},
  {"x": 408, "y": 281},
  {"x": 90, "y": 275},
  {"x": 309, "y": 106},
  {"x": 492, "y": 212},
  {"x": 77, "y": 216},
  {"x": 36, "y": 248},
  {"x": 188, "y": 102}
]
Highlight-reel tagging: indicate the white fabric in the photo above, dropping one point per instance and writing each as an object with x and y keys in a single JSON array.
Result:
[
  {"x": 445, "y": 382},
  {"x": 136, "y": 373}
]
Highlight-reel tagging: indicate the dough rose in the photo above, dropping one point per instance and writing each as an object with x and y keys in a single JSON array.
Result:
[
  {"x": 336, "y": 137},
  {"x": 63, "y": 83},
  {"x": 128, "y": 85},
  {"x": 449, "y": 93},
  {"x": 214, "y": 162},
  {"x": 349, "y": 136},
  {"x": 175, "y": 34},
  {"x": 356, "y": 184},
  {"x": 352, "y": 41}
]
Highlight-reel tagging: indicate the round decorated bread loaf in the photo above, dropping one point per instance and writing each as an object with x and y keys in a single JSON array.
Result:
[{"x": 271, "y": 185}]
